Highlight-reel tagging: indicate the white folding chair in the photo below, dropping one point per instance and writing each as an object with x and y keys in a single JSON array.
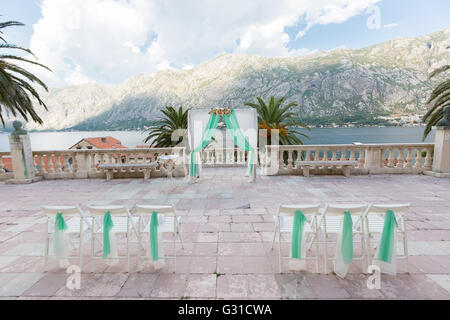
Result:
[
  {"x": 331, "y": 224},
  {"x": 168, "y": 223},
  {"x": 76, "y": 222},
  {"x": 374, "y": 222},
  {"x": 123, "y": 224},
  {"x": 284, "y": 222}
]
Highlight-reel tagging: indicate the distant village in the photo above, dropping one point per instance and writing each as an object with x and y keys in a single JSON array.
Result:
[{"x": 414, "y": 120}]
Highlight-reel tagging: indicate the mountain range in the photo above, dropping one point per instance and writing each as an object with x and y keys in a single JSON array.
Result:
[{"x": 388, "y": 78}]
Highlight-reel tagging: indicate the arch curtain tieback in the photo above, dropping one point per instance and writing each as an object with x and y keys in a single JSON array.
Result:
[
  {"x": 206, "y": 138},
  {"x": 60, "y": 227},
  {"x": 344, "y": 246},
  {"x": 154, "y": 236},
  {"x": 347, "y": 238},
  {"x": 297, "y": 234},
  {"x": 239, "y": 138},
  {"x": 387, "y": 237},
  {"x": 107, "y": 226}
]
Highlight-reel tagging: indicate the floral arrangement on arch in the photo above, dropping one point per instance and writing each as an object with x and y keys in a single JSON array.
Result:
[{"x": 220, "y": 111}]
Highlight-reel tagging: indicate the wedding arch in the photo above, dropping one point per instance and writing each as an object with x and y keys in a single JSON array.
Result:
[{"x": 242, "y": 125}]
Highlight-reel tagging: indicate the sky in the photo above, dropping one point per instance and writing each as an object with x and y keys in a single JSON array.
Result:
[{"x": 108, "y": 41}]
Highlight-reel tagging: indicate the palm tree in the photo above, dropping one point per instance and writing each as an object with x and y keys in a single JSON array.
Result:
[
  {"x": 439, "y": 99},
  {"x": 16, "y": 83},
  {"x": 161, "y": 130},
  {"x": 274, "y": 116}
]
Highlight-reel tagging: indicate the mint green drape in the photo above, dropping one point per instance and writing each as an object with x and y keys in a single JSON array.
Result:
[
  {"x": 347, "y": 238},
  {"x": 154, "y": 236},
  {"x": 297, "y": 234},
  {"x": 238, "y": 137},
  {"x": 387, "y": 237},
  {"x": 60, "y": 226},
  {"x": 206, "y": 138},
  {"x": 107, "y": 226}
]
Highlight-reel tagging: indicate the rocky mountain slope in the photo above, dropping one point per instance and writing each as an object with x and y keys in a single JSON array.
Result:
[{"x": 390, "y": 77}]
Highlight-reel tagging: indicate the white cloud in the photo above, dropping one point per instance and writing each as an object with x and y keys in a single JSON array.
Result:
[
  {"x": 390, "y": 25},
  {"x": 110, "y": 40}
]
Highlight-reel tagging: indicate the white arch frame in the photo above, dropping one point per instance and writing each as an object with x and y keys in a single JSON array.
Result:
[{"x": 248, "y": 122}]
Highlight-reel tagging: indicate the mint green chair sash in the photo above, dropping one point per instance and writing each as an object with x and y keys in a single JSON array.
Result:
[
  {"x": 297, "y": 234},
  {"x": 387, "y": 237},
  {"x": 238, "y": 137},
  {"x": 206, "y": 138},
  {"x": 60, "y": 226},
  {"x": 107, "y": 226},
  {"x": 154, "y": 236},
  {"x": 347, "y": 238}
]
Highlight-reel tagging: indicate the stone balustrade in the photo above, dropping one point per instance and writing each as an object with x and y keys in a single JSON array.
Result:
[
  {"x": 69, "y": 164},
  {"x": 224, "y": 157},
  {"x": 371, "y": 158},
  {"x": 273, "y": 160}
]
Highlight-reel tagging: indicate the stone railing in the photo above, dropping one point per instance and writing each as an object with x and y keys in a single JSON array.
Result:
[
  {"x": 67, "y": 164},
  {"x": 371, "y": 158},
  {"x": 224, "y": 157}
]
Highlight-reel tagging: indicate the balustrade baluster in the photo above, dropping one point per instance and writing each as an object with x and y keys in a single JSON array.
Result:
[
  {"x": 409, "y": 158},
  {"x": 418, "y": 163},
  {"x": 400, "y": 159},
  {"x": 289, "y": 160},
  {"x": 428, "y": 159},
  {"x": 391, "y": 157}
]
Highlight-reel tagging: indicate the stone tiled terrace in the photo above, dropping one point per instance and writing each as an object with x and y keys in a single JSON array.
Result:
[{"x": 227, "y": 227}]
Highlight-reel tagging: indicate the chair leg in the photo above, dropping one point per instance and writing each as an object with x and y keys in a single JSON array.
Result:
[
  {"x": 128, "y": 252},
  {"x": 326, "y": 253},
  {"x": 363, "y": 254},
  {"x": 174, "y": 253},
  {"x": 92, "y": 253},
  {"x": 47, "y": 240},
  {"x": 405, "y": 248},
  {"x": 279, "y": 250},
  {"x": 369, "y": 247},
  {"x": 274, "y": 234},
  {"x": 310, "y": 242},
  {"x": 317, "y": 253},
  {"x": 179, "y": 236},
  {"x": 80, "y": 252}
]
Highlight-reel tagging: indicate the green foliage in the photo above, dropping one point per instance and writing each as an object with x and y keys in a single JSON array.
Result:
[
  {"x": 439, "y": 99},
  {"x": 16, "y": 83},
  {"x": 275, "y": 116},
  {"x": 161, "y": 130}
]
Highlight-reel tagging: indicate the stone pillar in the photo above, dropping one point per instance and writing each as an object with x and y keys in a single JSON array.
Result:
[
  {"x": 22, "y": 156},
  {"x": 441, "y": 158},
  {"x": 372, "y": 159},
  {"x": 82, "y": 165}
]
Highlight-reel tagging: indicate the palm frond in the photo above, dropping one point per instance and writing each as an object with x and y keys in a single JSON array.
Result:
[
  {"x": 273, "y": 115},
  {"x": 161, "y": 131},
  {"x": 16, "y": 83},
  {"x": 438, "y": 100}
]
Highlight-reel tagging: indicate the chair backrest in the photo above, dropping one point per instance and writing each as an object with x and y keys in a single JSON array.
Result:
[
  {"x": 339, "y": 210},
  {"x": 167, "y": 210},
  {"x": 380, "y": 209},
  {"x": 113, "y": 210},
  {"x": 67, "y": 211},
  {"x": 306, "y": 209}
]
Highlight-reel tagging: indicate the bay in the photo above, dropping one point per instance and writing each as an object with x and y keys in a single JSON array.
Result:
[{"x": 64, "y": 140}]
